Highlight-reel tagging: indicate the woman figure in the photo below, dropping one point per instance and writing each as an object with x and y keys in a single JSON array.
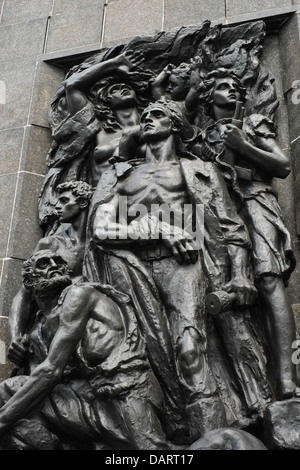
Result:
[
  {"x": 246, "y": 151},
  {"x": 92, "y": 109}
]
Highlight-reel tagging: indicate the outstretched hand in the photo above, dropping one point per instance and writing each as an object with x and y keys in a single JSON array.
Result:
[{"x": 129, "y": 60}]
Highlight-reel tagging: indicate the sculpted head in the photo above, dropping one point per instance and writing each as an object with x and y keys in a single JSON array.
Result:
[
  {"x": 179, "y": 81},
  {"x": 44, "y": 273},
  {"x": 222, "y": 88},
  {"x": 73, "y": 198},
  {"x": 161, "y": 119}
]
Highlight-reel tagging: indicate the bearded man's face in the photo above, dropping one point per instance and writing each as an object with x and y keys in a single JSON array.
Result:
[{"x": 49, "y": 274}]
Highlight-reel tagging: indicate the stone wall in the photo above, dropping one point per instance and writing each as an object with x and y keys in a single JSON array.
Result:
[{"x": 40, "y": 39}]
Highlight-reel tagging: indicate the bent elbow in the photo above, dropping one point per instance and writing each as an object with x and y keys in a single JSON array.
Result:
[{"x": 50, "y": 373}]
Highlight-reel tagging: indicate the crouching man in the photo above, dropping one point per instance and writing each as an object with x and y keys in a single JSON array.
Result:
[{"x": 92, "y": 384}]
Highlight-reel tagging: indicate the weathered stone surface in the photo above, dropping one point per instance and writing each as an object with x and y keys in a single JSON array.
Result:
[
  {"x": 293, "y": 101},
  {"x": 5, "y": 365},
  {"x": 23, "y": 42},
  {"x": 37, "y": 141},
  {"x": 282, "y": 422},
  {"x": 296, "y": 311},
  {"x": 21, "y": 11},
  {"x": 7, "y": 192},
  {"x": 18, "y": 78},
  {"x": 295, "y": 146},
  {"x": 191, "y": 12},
  {"x": 81, "y": 25},
  {"x": 10, "y": 149},
  {"x": 240, "y": 7},
  {"x": 11, "y": 283},
  {"x": 46, "y": 81},
  {"x": 130, "y": 18},
  {"x": 25, "y": 231},
  {"x": 290, "y": 42},
  {"x": 68, "y": 6}
]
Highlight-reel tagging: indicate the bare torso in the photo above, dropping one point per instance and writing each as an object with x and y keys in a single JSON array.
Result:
[
  {"x": 104, "y": 332},
  {"x": 156, "y": 184}
]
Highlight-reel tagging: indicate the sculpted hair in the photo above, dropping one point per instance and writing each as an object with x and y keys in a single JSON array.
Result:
[
  {"x": 172, "y": 109},
  {"x": 80, "y": 189},
  {"x": 182, "y": 71},
  {"x": 207, "y": 86},
  {"x": 27, "y": 274}
]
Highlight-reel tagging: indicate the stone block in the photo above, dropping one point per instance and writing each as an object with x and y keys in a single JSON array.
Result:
[
  {"x": 7, "y": 195},
  {"x": 46, "y": 81},
  {"x": 191, "y": 12},
  {"x": 18, "y": 78},
  {"x": 36, "y": 145},
  {"x": 293, "y": 101},
  {"x": 11, "y": 141},
  {"x": 295, "y": 146},
  {"x": 21, "y": 11},
  {"x": 25, "y": 41},
  {"x": 11, "y": 283},
  {"x": 5, "y": 365},
  {"x": 241, "y": 7},
  {"x": 289, "y": 37},
  {"x": 25, "y": 230},
  {"x": 297, "y": 196},
  {"x": 129, "y": 18},
  {"x": 282, "y": 424},
  {"x": 271, "y": 60},
  {"x": 77, "y": 27},
  {"x": 296, "y": 311},
  {"x": 69, "y": 6}
]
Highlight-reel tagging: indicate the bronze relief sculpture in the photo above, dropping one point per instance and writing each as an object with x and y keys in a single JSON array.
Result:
[{"x": 154, "y": 313}]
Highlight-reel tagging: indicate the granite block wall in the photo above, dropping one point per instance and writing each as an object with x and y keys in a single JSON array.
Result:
[{"x": 39, "y": 38}]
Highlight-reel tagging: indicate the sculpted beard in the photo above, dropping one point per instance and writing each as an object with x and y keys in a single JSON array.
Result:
[{"x": 42, "y": 287}]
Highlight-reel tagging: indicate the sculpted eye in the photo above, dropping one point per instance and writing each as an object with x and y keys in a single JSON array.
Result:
[
  {"x": 59, "y": 261},
  {"x": 64, "y": 200},
  {"x": 42, "y": 263},
  {"x": 158, "y": 114}
]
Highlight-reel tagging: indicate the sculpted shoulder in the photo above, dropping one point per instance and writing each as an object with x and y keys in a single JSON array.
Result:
[{"x": 80, "y": 294}]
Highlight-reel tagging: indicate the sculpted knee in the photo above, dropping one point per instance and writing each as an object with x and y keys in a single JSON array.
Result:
[{"x": 189, "y": 352}]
